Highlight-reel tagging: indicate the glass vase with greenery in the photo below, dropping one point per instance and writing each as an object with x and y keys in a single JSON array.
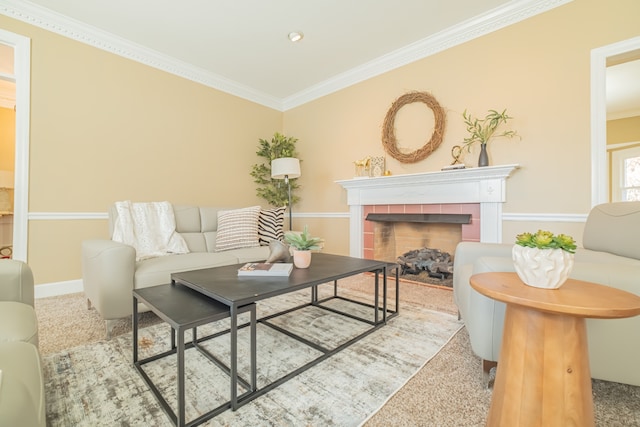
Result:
[{"x": 482, "y": 130}]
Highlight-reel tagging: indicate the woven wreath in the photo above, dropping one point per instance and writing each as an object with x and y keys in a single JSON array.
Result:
[{"x": 389, "y": 141}]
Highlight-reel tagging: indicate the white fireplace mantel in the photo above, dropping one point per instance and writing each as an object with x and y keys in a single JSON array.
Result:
[{"x": 486, "y": 186}]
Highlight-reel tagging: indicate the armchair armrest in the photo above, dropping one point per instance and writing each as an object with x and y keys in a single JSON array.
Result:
[
  {"x": 16, "y": 282},
  {"x": 108, "y": 269}
]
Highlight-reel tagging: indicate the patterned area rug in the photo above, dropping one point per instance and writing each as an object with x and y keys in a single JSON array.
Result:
[{"x": 97, "y": 385}]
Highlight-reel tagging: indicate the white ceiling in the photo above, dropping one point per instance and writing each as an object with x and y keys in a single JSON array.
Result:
[
  {"x": 623, "y": 90},
  {"x": 241, "y": 46}
]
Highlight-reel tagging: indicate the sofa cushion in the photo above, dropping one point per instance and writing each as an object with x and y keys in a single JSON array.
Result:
[
  {"x": 270, "y": 225},
  {"x": 237, "y": 228},
  {"x": 157, "y": 271}
]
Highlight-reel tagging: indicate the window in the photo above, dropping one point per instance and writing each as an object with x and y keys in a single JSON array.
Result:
[{"x": 626, "y": 174}]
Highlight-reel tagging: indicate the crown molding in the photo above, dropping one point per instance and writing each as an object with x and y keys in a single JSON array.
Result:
[
  {"x": 503, "y": 16},
  {"x": 56, "y": 23},
  {"x": 500, "y": 17}
]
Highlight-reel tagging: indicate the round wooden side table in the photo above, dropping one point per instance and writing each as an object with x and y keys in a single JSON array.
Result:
[{"x": 543, "y": 376}]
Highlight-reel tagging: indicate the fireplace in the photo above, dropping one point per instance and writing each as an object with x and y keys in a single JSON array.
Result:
[
  {"x": 479, "y": 192},
  {"x": 392, "y": 233},
  {"x": 422, "y": 241}
]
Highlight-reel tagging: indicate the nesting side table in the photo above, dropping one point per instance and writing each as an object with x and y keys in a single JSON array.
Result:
[{"x": 183, "y": 309}]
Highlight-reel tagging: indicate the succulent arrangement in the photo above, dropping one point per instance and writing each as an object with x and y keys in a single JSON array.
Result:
[
  {"x": 546, "y": 240},
  {"x": 302, "y": 241}
]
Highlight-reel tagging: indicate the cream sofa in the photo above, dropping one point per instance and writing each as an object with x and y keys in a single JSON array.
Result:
[
  {"x": 110, "y": 270},
  {"x": 610, "y": 256},
  {"x": 22, "y": 398}
]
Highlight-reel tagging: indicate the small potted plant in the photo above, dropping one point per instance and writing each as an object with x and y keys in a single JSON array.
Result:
[
  {"x": 302, "y": 245},
  {"x": 542, "y": 259},
  {"x": 483, "y": 130}
]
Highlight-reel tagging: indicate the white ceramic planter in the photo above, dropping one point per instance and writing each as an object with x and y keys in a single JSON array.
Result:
[
  {"x": 301, "y": 259},
  {"x": 542, "y": 268}
]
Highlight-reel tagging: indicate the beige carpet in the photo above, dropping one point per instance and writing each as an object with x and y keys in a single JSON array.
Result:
[{"x": 448, "y": 391}]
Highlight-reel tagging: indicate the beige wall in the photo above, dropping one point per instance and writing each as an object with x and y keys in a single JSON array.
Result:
[
  {"x": 538, "y": 69},
  {"x": 104, "y": 128},
  {"x": 623, "y": 130}
]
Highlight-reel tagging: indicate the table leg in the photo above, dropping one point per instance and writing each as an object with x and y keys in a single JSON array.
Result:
[
  {"x": 384, "y": 295},
  {"x": 543, "y": 375},
  {"x": 376, "y": 298},
  {"x": 254, "y": 358},
  {"x": 233, "y": 336},
  {"x": 134, "y": 322},
  {"x": 181, "y": 408}
]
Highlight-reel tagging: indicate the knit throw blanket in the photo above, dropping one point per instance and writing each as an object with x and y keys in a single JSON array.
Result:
[{"x": 149, "y": 227}]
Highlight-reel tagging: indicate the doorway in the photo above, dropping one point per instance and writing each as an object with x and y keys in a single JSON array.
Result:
[
  {"x": 20, "y": 78},
  {"x": 7, "y": 148}
]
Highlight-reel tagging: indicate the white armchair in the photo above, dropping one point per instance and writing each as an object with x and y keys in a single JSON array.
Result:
[{"x": 610, "y": 256}]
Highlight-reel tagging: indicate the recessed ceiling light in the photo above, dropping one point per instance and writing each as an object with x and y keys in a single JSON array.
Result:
[{"x": 296, "y": 36}]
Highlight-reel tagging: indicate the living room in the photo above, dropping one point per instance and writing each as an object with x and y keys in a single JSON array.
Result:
[
  {"x": 105, "y": 128},
  {"x": 96, "y": 119}
]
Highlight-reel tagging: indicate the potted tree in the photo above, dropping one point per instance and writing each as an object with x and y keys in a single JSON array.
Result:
[
  {"x": 302, "y": 245},
  {"x": 482, "y": 130},
  {"x": 274, "y": 191}
]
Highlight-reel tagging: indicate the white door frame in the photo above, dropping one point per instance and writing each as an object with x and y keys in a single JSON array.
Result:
[
  {"x": 22, "y": 70},
  {"x": 599, "y": 170}
]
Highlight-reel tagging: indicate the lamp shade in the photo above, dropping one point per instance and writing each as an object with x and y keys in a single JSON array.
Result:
[{"x": 285, "y": 167}]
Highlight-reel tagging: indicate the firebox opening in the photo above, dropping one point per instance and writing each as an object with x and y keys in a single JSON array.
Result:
[{"x": 424, "y": 250}]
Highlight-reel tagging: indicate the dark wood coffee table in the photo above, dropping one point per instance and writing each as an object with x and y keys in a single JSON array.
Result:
[{"x": 223, "y": 284}]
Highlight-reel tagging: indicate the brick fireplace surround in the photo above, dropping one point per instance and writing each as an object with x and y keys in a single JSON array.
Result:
[
  {"x": 476, "y": 191},
  {"x": 470, "y": 232}
]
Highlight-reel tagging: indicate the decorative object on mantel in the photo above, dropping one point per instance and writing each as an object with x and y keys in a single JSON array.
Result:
[
  {"x": 387, "y": 173},
  {"x": 302, "y": 245},
  {"x": 275, "y": 191},
  {"x": 389, "y": 141},
  {"x": 543, "y": 260},
  {"x": 363, "y": 167},
  {"x": 456, "y": 152},
  {"x": 377, "y": 166},
  {"x": 483, "y": 130}
]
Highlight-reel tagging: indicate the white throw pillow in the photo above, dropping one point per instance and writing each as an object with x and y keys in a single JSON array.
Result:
[{"x": 237, "y": 228}]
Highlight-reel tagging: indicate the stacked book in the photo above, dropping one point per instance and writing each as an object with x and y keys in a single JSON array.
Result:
[{"x": 265, "y": 269}]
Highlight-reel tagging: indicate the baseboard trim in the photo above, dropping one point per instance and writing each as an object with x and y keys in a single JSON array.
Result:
[{"x": 58, "y": 288}]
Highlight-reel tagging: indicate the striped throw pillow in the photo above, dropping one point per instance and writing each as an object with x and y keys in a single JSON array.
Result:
[
  {"x": 237, "y": 228},
  {"x": 271, "y": 225}
]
